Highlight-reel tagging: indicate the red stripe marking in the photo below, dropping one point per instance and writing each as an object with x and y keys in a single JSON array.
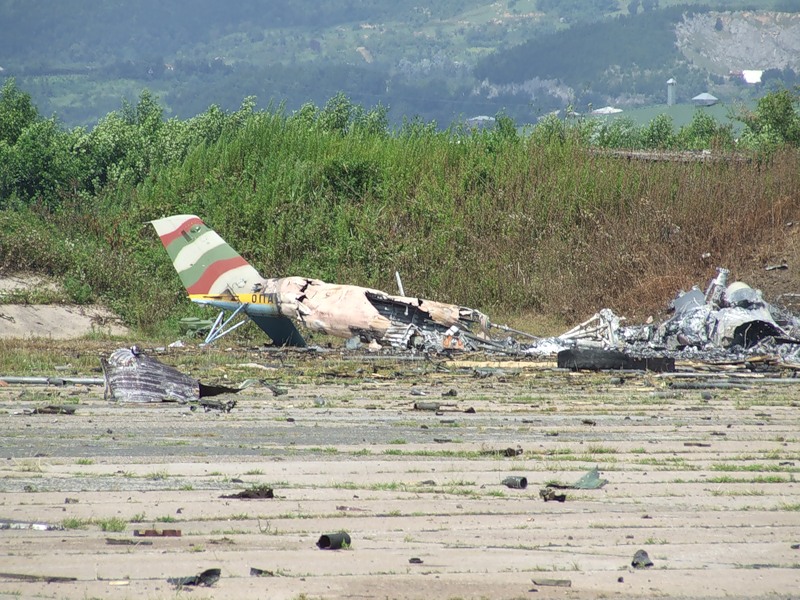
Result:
[
  {"x": 168, "y": 238},
  {"x": 213, "y": 272}
]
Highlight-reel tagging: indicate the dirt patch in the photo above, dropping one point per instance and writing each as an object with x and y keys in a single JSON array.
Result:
[
  {"x": 56, "y": 321},
  {"x": 702, "y": 479}
]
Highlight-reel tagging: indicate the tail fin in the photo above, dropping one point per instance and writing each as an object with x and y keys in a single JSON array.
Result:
[{"x": 206, "y": 264}]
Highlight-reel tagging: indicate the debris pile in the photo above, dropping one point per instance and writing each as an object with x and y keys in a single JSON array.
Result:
[{"x": 727, "y": 321}]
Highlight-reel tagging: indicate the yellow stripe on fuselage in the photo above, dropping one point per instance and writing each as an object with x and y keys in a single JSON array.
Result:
[{"x": 254, "y": 298}]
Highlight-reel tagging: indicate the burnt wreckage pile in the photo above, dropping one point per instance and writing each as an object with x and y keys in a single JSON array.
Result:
[{"x": 726, "y": 322}]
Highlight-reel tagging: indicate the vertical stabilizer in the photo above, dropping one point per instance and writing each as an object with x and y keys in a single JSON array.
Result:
[{"x": 206, "y": 264}]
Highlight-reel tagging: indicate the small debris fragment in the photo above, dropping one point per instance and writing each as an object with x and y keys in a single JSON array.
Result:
[
  {"x": 641, "y": 560},
  {"x": 126, "y": 542},
  {"x": 255, "y": 572},
  {"x": 518, "y": 483},
  {"x": 157, "y": 533},
  {"x": 549, "y": 494},
  {"x": 451, "y": 393},
  {"x": 552, "y": 582},
  {"x": 334, "y": 541},
  {"x": 71, "y": 500},
  {"x": 431, "y": 406},
  {"x": 207, "y": 578},
  {"x": 52, "y": 410},
  {"x": 45, "y": 578},
  {"x": 37, "y": 526},
  {"x": 697, "y": 444},
  {"x": 226, "y": 407},
  {"x": 415, "y": 561},
  {"x": 258, "y": 492}
]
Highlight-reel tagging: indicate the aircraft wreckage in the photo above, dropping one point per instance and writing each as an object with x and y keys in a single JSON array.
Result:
[
  {"x": 725, "y": 319},
  {"x": 214, "y": 274}
]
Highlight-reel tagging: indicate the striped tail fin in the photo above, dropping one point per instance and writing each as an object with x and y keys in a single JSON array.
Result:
[{"x": 206, "y": 264}]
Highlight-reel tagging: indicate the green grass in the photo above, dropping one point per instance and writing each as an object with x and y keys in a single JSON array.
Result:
[
  {"x": 112, "y": 524},
  {"x": 75, "y": 523},
  {"x": 166, "y": 519}
]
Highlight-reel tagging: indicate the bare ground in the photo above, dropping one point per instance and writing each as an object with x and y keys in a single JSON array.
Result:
[{"x": 345, "y": 450}]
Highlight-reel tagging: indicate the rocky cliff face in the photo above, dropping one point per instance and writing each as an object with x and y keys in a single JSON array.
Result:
[{"x": 736, "y": 41}]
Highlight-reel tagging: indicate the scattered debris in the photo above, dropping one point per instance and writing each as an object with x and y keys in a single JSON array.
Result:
[
  {"x": 507, "y": 452},
  {"x": 415, "y": 561},
  {"x": 71, "y": 501},
  {"x": 519, "y": 483},
  {"x": 7, "y": 379},
  {"x": 552, "y": 582},
  {"x": 132, "y": 376},
  {"x": 596, "y": 359},
  {"x": 207, "y": 578},
  {"x": 44, "y": 578},
  {"x": 352, "y": 508},
  {"x": 334, "y": 541},
  {"x": 52, "y": 409},
  {"x": 256, "y": 572},
  {"x": 126, "y": 542},
  {"x": 37, "y": 526},
  {"x": 641, "y": 560},
  {"x": 258, "y": 492},
  {"x": 209, "y": 405}
]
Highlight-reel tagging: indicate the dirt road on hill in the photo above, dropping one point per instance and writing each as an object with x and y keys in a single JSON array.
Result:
[{"x": 702, "y": 479}]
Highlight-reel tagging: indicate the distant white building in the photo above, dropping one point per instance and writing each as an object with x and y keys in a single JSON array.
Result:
[
  {"x": 606, "y": 110},
  {"x": 705, "y": 99}
]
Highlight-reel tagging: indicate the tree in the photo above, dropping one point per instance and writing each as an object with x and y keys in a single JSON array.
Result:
[
  {"x": 16, "y": 112},
  {"x": 776, "y": 113},
  {"x": 633, "y": 7}
]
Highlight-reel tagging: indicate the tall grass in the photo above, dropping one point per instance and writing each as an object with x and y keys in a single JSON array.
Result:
[{"x": 493, "y": 221}]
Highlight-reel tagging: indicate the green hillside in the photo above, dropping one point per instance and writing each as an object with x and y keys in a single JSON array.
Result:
[{"x": 445, "y": 62}]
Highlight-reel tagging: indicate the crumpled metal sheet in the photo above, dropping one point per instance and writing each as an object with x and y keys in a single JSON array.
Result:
[{"x": 132, "y": 376}]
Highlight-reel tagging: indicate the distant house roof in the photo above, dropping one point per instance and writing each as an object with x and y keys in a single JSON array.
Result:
[
  {"x": 606, "y": 110},
  {"x": 705, "y": 99},
  {"x": 752, "y": 75},
  {"x": 481, "y": 121}
]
